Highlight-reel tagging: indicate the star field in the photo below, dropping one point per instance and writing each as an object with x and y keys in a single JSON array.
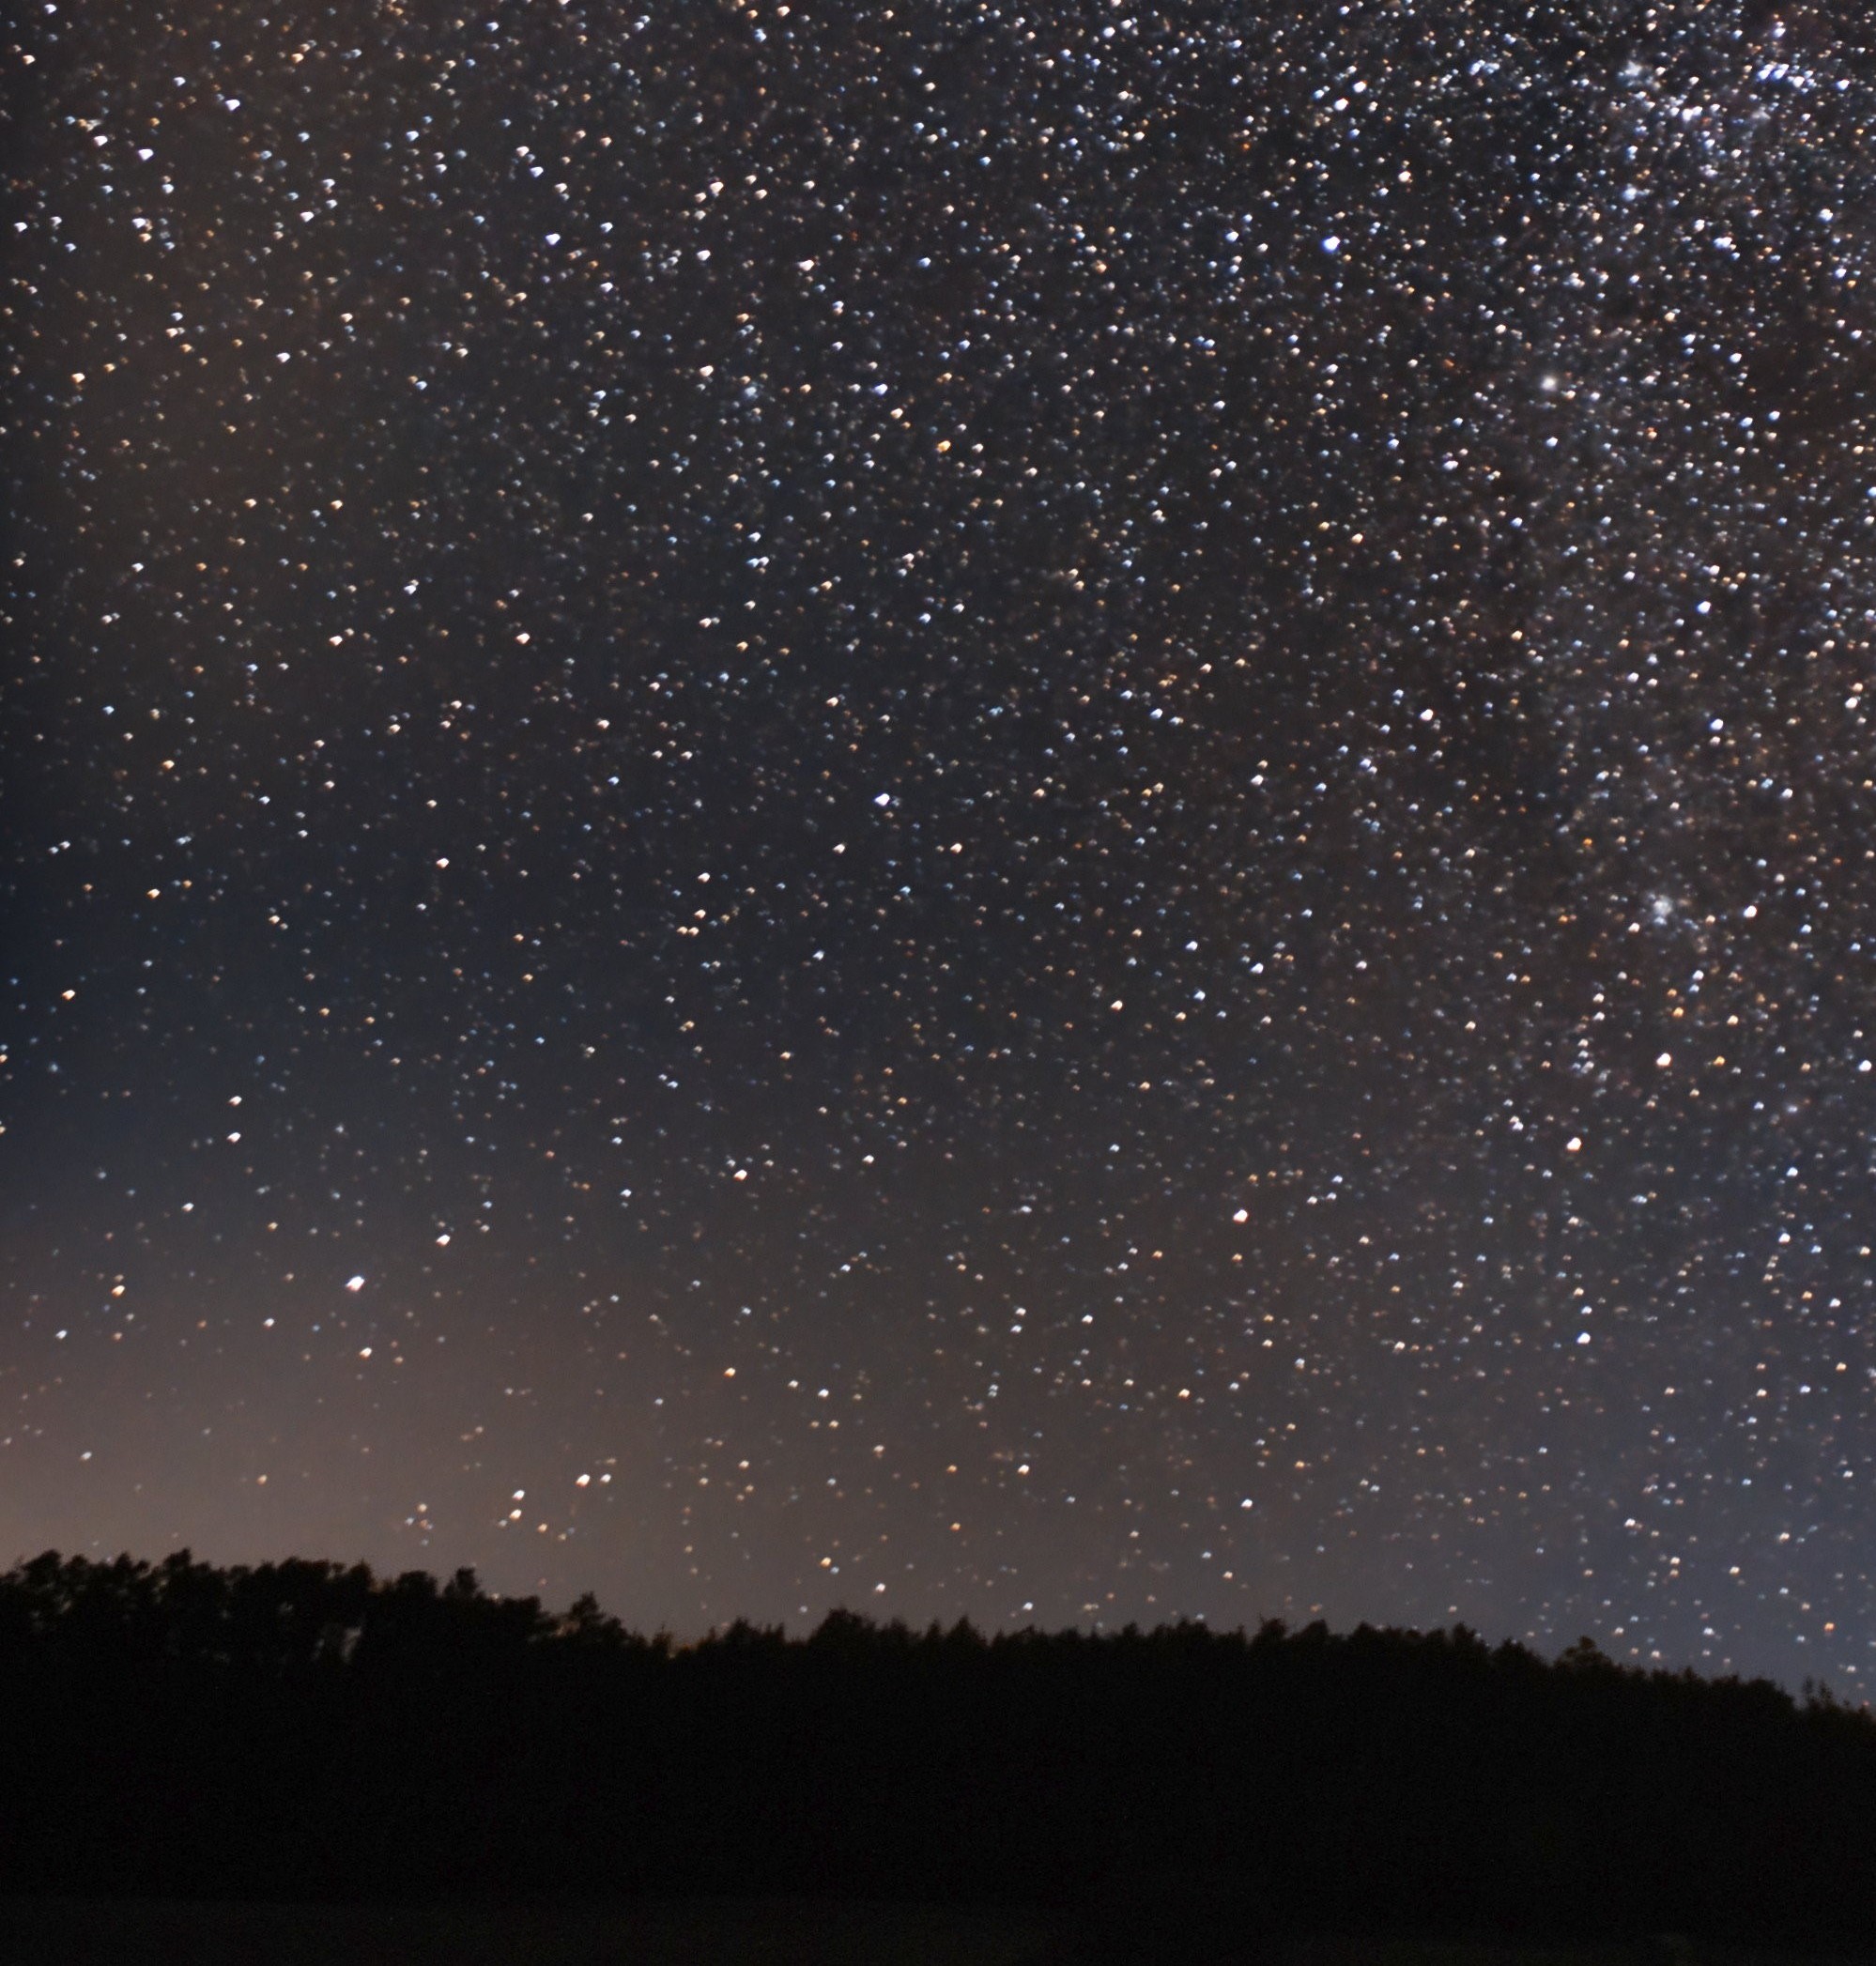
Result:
[{"x": 1059, "y": 813}]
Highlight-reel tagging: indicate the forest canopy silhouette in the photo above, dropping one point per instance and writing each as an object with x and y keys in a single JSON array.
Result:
[{"x": 305, "y": 1730}]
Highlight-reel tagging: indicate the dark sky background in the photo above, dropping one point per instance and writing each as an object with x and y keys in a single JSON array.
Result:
[{"x": 1057, "y": 812}]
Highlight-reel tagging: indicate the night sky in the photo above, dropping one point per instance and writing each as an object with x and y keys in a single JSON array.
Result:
[{"x": 1052, "y": 812}]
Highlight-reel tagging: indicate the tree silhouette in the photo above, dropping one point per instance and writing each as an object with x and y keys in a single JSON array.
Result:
[{"x": 305, "y": 1729}]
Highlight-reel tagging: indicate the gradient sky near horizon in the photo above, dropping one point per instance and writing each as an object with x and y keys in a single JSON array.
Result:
[{"x": 1052, "y": 812}]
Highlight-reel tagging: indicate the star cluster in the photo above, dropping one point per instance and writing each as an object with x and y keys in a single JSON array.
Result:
[{"x": 1056, "y": 812}]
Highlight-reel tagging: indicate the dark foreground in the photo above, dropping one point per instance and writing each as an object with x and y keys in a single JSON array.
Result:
[
  {"x": 760, "y": 1933},
  {"x": 302, "y": 1734},
  {"x": 772, "y": 1932}
]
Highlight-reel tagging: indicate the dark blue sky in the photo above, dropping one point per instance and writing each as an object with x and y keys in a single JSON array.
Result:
[{"x": 1061, "y": 814}]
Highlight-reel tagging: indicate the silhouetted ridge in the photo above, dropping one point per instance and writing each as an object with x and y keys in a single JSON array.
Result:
[{"x": 302, "y": 1729}]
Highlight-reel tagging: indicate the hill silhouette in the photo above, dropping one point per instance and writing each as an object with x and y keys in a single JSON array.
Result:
[{"x": 303, "y": 1730}]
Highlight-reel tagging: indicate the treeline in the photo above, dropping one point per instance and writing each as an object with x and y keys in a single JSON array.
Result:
[{"x": 303, "y": 1730}]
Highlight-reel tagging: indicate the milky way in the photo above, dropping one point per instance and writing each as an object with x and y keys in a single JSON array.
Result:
[{"x": 1049, "y": 814}]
